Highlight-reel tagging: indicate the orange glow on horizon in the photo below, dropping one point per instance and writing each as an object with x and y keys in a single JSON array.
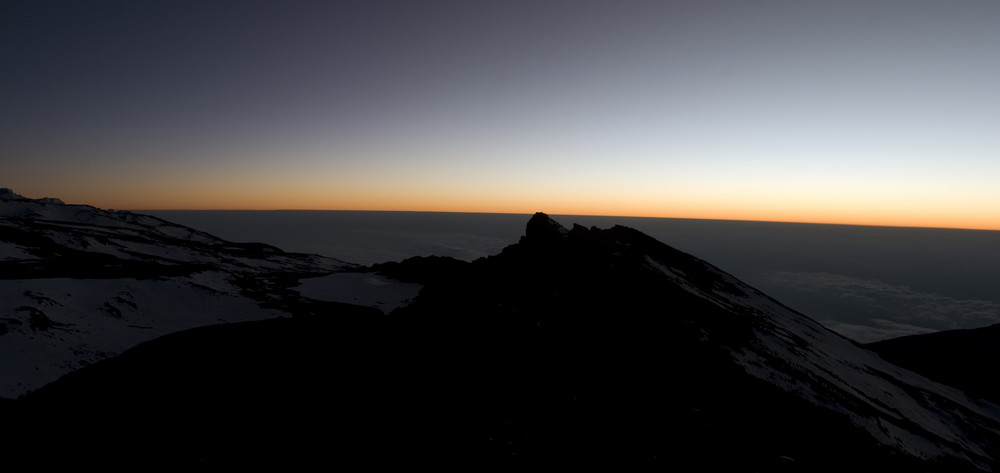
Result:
[
  {"x": 529, "y": 201},
  {"x": 831, "y": 218}
]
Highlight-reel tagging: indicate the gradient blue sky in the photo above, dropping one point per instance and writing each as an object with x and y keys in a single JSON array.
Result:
[{"x": 874, "y": 112}]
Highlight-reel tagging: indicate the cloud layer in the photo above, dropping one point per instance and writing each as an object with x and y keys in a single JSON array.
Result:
[{"x": 882, "y": 310}]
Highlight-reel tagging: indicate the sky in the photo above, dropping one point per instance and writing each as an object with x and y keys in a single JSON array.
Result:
[{"x": 878, "y": 112}]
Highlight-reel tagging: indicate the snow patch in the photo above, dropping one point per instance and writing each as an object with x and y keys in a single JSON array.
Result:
[{"x": 93, "y": 319}]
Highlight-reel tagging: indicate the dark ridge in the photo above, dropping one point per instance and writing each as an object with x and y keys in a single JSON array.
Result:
[
  {"x": 349, "y": 389},
  {"x": 564, "y": 351},
  {"x": 275, "y": 391},
  {"x": 9, "y": 194},
  {"x": 965, "y": 359},
  {"x": 421, "y": 269}
]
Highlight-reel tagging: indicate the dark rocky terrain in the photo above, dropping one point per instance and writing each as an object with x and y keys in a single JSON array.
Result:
[
  {"x": 967, "y": 359},
  {"x": 572, "y": 348}
]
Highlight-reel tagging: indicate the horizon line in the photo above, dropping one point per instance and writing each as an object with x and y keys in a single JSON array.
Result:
[{"x": 793, "y": 222}]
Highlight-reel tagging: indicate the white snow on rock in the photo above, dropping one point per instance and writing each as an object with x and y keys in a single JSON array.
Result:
[
  {"x": 54, "y": 326},
  {"x": 914, "y": 414},
  {"x": 140, "y": 278}
]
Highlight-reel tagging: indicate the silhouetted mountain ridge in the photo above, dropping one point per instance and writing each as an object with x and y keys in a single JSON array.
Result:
[
  {"x": 964, "y": 358},
  {"x": 571, "y": 348}
]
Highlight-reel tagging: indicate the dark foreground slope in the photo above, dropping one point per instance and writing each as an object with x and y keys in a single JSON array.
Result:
[
  {"x": 572, "y": 348},
  {"x": 968, "y": 359}
]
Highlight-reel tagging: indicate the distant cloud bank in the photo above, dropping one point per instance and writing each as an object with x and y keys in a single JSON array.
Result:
[{"x": 887, "y": 310}]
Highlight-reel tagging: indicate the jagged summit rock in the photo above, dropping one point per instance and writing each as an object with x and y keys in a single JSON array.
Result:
[{"x": 542, "y": 228}]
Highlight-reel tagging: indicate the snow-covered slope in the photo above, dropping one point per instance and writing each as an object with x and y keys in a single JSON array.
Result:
[
  {"x": 897, "y": 407},
  {"x": 79, "y": 284}
]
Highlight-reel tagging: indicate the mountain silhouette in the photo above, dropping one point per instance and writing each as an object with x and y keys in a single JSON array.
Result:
[
  {"x": 962, "y": 358},
  {"x": 579, "y": 347}
]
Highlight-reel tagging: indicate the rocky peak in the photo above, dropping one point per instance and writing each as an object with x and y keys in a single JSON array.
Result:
[{"x": 542, "y": 228}]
